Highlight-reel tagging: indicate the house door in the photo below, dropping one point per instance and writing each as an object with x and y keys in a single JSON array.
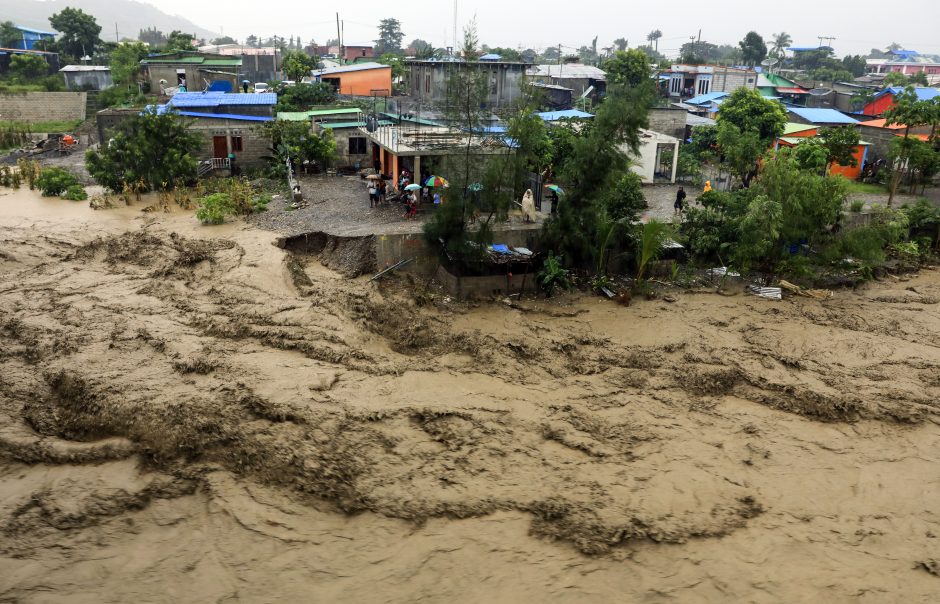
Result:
[{"x": 219, "y": 147}]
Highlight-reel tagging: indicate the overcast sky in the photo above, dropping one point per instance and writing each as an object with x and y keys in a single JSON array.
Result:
[{"x": 857, "y": 26}]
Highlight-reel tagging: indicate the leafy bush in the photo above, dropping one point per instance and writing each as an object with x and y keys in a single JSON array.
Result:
[
  {"x": 214, "y": 208},
  {"x": 55, "y": 181},
  {"x": 75, "y": 193},
  {"x": 858, "y": 206},
  {"x": 553, "y": 276},
  {"x": 301, "y": 97}
]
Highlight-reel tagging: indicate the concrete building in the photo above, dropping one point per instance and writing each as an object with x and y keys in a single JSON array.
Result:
[
  {"x": 880, "y": 134},
  {"x": 353, "y": 149},
  {"x": 259, "y": 105},
  {"x": 427, "y": 81},
  {"x": 581, "y": 79},
  {"x": 362, "y": 79},
  {"x": 86, "y": 77},
  {"x": 884, "y": 100},
  {"x": 688, "y": 81},
  {"x": 658, "y": 158},
  {"x": 258, "y": 64},
  {"x": 194, "y": 70}
]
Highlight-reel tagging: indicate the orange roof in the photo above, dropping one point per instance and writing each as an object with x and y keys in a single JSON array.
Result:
[
  {"x": 882, "y": 123},
  {"x": 923, "y": 137}
]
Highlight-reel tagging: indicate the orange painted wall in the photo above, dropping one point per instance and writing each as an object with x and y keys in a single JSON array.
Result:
[
  {"x": 850, "y": 172},
  {"x": 805, "y": 133},
  {"x": 362, "y": 83}
]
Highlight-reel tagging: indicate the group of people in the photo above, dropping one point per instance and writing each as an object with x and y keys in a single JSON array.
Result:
[{"x": 378, "y": 191}]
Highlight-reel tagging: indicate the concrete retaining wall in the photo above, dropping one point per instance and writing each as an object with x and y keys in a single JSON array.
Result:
[{"x": 43, "y": 106}]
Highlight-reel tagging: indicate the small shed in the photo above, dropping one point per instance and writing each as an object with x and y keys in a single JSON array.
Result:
[
  {"x": 658, "y": 157},
  {"x": 87, "y": 77},
  {"x": 360, "y": 79}
]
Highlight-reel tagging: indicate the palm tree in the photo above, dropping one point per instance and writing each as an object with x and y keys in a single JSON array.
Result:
[
  {"x": 621, "y": 43},
  {"x": 654, "y": 36},
  {"x": 782, "y": 41}
]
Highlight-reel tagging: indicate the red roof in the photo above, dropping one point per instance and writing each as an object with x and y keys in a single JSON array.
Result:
[{"x": 792, "y": 91}]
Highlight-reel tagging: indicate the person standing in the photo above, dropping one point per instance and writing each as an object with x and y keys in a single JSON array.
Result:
[
  {"x": 708, "y": 187},
  {"x": 372, "y": 193},
  {"x": 680, "y": 200}
]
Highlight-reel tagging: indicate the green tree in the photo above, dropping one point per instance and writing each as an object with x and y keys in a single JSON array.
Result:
[
  {"x": 252, "y": 41},
  {"x": 841, "y": 144},
  {"x": 156, "y": 150},
  {"x": 125, "y": 61},
  {"x": 28, "y": 67},
  {"x": 621, "y": 44},
  {"x": 297, "y": 65},
  {"x": 629, "y": 67},
  {"x": 396, "y": 62},
  {"x": 909, "y": 111},
  {"x": 747, "y": 126},
  {"x": 753, "y": 48},
  {"x": 224, "y": 40},
  {"x": 302, "y": 97},
  {"x": 79, "y": 31},
  {"x": 471, "y": 41},
  {"x": 855, "y": 64},
  {"x": 10, "y": 37},
  {"x": 919, "y": 78},
  {"x": 894, "y": 78},
  {"x": 295, "y": 141},
  {"x": 653, "y": 38},
  {"x": 180, "y": 41},
  {"x": 390, "y": 37}
]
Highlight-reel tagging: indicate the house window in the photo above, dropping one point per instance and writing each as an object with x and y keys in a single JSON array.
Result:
[
  {"x": 427, "y": 84},
  {"x": 357, "y": 145},
  {"x": 237, "y": 144}
]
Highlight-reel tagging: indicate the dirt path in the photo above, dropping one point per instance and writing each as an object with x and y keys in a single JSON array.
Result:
[{"x": 188, "y": 414}]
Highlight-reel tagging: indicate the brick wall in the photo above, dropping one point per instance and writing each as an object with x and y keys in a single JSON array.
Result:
[
  {"x": 255, "y": 144},
  {"x": 42, "y": 106},
  {"x": 668, "y": 120}
]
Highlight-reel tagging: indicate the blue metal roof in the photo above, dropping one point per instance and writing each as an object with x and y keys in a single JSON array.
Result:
[
  {"x": 705, "y": 99},
  {"x": 228, "y": 116},
  {"x": 491, "y": 57},
  {"x": 554, "y": 116},
  {"x": 30, "y": 30},
  {"x": 220, "y": 99},
  {"x": 822, "y": 116},
  {"x": 923, "y": 94}
]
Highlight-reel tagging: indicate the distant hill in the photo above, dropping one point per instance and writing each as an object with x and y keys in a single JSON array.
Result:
[{"x": 130, "y": 16}]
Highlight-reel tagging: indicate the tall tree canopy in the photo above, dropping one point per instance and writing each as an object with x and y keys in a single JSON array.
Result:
[
  {"x": 297, "y": 65},
  {"x": 178, "y": 40},
  {"x": 155, "y": 150},
  {"x": 781, "y": 43},
  {"x": 125, "y": 61},
  {"x": 79, "y": 31},
  {"x": 390, "y": 36},
  {"x": 631, "y": 67},
  {"x": 753, "y": 48},
  {"x": 747, "y": 125},
  {"x": 9, "y": 35}
]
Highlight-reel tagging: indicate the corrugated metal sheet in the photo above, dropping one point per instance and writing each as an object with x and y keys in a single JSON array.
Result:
[
  {"x": 572, "y": 70},
  {"x": 822, "y": 116},
  {"x": 336, "y": 125},
  {"x": 706, "y": 99},
  {"x": 554, "y": 116},
  {"x": 350, "y": 68},
  {"x": 220, "y": 99},
  {"x": 923, "y": 94}
]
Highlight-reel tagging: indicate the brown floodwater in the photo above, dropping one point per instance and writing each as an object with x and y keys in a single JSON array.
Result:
[{"x": 191, "y": 414}]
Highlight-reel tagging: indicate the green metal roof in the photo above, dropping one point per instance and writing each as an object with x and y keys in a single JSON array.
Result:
[
  {"x": 192, "y": 61},
  {"x": 222, "y": 62},
  {"x": 793, "y": 128},
  {"x": 303, "y": 116},
  {"x": 335, "y": 125}
]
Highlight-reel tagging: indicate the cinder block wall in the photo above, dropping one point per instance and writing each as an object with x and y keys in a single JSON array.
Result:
[
  {"x": 43, "y": 106},
  {"x": 668, "y": 120}
]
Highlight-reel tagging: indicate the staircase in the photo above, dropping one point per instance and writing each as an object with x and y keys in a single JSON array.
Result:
[{"x": 209, "y": 166}]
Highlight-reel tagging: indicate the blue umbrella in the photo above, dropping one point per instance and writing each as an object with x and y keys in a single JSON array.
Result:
[{"x": 555, "y": 189}]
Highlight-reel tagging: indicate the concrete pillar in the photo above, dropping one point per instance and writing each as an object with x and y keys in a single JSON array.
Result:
[
  {"x": 675, "y": 162},
  {"x": 417, "y": 174}
]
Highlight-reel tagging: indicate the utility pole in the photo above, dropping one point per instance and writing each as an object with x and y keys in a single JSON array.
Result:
[
  {"x": 117, "y": 36},
  {"x": 339, "y": 39},
  {"x": 455, "y": 27}
]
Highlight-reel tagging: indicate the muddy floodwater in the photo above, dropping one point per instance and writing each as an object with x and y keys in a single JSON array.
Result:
[{"x": 190, "y": 414}]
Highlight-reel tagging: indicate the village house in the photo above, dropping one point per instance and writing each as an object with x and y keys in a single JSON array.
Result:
[
  {"x": 657, "y": 160},
  {"x": 258, "y": 64},
  {"x": 353, "y": 150},
  {"x": 689, "y": 81},
  {"x": 194, "y": 70},
  {"x": 349, "y": 53},
  {"x": 33, "y": 39},
  {"x": 229, "y": 124},
  {"x": 884, "y": 100},
  {"x": 795, "y": 134},
  {"x": 776, "y": 86},
  {"x": 87, "y": 77},
  {"x": 428, "y": 80},
  {"x": 361, "y": 79},
  {"x": 880, "y": 135},
  {"x": 585, "y": 81}
]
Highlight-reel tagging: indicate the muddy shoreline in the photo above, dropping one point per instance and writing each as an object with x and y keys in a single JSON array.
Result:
[{"x": 192, "y": 413}]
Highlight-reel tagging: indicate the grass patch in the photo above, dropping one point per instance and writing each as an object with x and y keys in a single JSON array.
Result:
[
  {"x": 866, "y": 188},
  {"x": 50, "y": 126}
]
